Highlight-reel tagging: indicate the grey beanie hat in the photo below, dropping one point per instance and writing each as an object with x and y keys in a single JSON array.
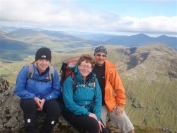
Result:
[{"x": 101, "y": 49}]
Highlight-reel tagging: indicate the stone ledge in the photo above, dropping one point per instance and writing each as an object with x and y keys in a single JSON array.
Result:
[{"x": 11, "y": 115}]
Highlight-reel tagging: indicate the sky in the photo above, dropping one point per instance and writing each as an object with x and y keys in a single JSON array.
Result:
[{"x": 153, "y": 17}]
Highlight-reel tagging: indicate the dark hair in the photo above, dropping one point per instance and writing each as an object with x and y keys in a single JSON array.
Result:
[{"x": 88, "y": 58}]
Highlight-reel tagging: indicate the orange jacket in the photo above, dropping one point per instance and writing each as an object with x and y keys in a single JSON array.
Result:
[{"x": 114, "y": 90}]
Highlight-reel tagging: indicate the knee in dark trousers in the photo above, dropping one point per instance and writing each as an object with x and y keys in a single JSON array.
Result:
[
  {"x": 52, "y": 110},
  {"x": 48, "y": 124},
  {"x": 29, "y": 108},
  {"x": 30, "y": 123},
  {"x": 93, "y": 126}
]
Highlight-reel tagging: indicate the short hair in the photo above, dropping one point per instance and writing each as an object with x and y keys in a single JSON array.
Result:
[{"x": 88, "y": 58}]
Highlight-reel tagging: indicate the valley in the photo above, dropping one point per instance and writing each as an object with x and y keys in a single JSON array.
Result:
[
  {"x": 147, "y": 66},
  {"x": 149, "y": 75}
]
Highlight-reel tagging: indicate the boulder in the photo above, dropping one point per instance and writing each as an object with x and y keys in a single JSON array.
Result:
[{"x": 11, "y": 115}]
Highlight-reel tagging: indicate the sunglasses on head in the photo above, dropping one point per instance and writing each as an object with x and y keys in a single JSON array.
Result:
[{"x": 99, "y": 55}]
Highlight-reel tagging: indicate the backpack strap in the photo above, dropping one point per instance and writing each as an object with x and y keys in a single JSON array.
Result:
[
  {"x": 31, "y": 72},
  {"x": 93, "y": 82},
  {"x": 51, "y": 73},
  {"x": 74, "y": 81},
  {"x": 63, "y": 73}
]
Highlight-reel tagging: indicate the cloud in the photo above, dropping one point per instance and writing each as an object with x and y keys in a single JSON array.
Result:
[
  {"x": 72, "y": 16},
  {"x": 157, "y": 24}
]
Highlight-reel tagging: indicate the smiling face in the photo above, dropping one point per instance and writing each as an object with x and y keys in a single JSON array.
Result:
[
  {"x": 100, "y": 58},
  {"x": 85, "y": 65},
  {"x": 85, "y": 68},
  {"x": 42, "y": 65}
]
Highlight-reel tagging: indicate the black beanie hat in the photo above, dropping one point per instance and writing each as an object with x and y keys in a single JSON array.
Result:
[{"x": 43, "y": 53}]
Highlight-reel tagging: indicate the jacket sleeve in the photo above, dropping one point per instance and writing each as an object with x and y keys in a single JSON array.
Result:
[
  {"x": 67, "y": 94},
  {"x": 97, "y": 100},
  {"x": 55, "y": 90},
  {"x": 117, "y": 87},
  {"x": 21, "y": 81}
]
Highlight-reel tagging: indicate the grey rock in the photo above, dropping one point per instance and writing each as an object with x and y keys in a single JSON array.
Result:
[{"x": 11, "y": 114}]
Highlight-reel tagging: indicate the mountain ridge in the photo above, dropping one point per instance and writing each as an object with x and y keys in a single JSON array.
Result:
[
  {"x": 149, "y": 76},
  {"x": 62, "y": 41}
]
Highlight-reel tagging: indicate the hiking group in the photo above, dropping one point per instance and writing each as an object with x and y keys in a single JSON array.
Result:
[{"x": 91, "y": 92}]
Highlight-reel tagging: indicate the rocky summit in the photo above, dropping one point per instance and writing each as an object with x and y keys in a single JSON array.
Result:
[
  {"x": 149, "y": 75},
  {"x": 11, "y": 115}
]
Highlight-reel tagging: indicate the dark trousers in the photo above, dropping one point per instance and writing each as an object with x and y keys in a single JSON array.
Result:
[
  {"x": 83, "y": 122},
  {"x": 51, "y": 108}
]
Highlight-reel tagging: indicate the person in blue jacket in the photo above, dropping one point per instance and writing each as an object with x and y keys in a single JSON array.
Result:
[
  {"x": 38, "y": 93},
  {"x": 83, "y": 102}
]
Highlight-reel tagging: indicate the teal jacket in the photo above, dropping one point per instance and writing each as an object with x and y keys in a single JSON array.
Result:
[{"x": 85, "y": 98}]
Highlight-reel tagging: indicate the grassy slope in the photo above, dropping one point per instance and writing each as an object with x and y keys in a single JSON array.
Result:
[
  {"x": 152, "y": 105},
  {"x": 10, "y": 69},
  {"x": 151, "y": 94}
]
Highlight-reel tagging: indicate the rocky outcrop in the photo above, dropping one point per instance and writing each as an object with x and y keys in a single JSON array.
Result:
[
  {"x": 11, "y": 115},
  {"x": 11, "y": 118}
]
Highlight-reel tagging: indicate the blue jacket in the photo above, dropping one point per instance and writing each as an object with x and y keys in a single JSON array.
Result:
[
  {"x": 79, "y": 101},
  {"x": 33, "y": 88}
]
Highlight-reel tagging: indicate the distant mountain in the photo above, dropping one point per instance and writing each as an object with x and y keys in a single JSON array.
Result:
[
  {"x": 133, "y": 40},
  {"x": 65, "y": 41},
  {"x": 8, "y": 29},
  {"x": 19, "y": 33},
  {"x": 56, "y": 40},
  {"x": 10, "y": 44},
  {"x": 61, "y": 34},
  {"x": 140, "y": 40},
  {"x": 64, "y": 36},
  {"x": 2, "y": 32},
  {"x": 149, "y": 76},
  {"x": 147, "y": 66},
  {"x": 171, "y": 41}
]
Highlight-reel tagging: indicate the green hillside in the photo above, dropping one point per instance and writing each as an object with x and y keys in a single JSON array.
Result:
[
  {"x": 151, "y": 85},
  {"x": 149, "y": 75},
  {"x": 12, "y": 55}
]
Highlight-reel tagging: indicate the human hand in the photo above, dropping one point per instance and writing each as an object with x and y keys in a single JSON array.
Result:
[
  {"x": 39, "y": 103},
  {"x": 42, "y": 103},
  {"x": 119, "y": 110},
  {"x": 93, "y": 116},
  {"x": 100, "y": 125}
]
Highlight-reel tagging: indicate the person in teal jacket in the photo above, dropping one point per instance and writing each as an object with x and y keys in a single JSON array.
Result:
[
  {"x": 83, "y": 102},
  {"x": 38, "y": 93}
]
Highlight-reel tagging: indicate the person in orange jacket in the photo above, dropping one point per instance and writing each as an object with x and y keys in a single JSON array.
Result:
[{"x": 113, "y": 93}]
